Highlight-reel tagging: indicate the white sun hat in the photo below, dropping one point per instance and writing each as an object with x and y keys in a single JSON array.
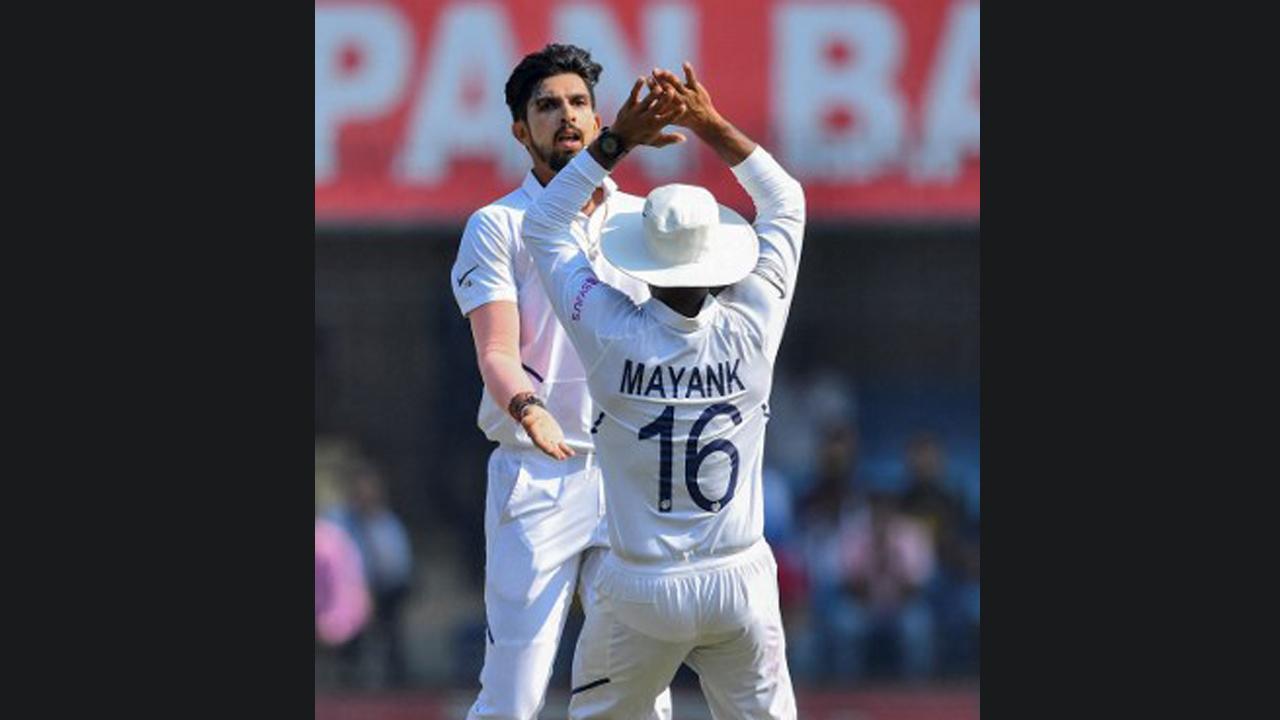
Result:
[{"x": 682, "y": 238}]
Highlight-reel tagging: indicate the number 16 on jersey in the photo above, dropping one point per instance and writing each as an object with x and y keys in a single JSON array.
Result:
[{"x": 664, "y": 428}]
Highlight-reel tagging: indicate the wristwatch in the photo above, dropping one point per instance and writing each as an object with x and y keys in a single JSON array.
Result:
[
  {"x": 521, "y": 402},
  {"x": 611, "y": 145}
]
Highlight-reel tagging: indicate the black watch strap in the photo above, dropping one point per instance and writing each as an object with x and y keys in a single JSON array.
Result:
[
  {"x": 611, "y": 146},
  {"x": 521, "y": 402}
]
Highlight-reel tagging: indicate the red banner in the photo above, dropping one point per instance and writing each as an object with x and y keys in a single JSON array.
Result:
[{"x": 873, "y": 106}]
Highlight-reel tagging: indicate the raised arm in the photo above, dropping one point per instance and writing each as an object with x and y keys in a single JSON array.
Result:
[
  {"x": 701, "y": 117},
  {"x": 586, "y": 307},
  {"x": 778, "y": 198}
]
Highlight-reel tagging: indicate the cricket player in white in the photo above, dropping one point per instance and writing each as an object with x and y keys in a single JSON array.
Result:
[
  {"x": 683, "y": 381},
  {"x": 544, "y": 516}
]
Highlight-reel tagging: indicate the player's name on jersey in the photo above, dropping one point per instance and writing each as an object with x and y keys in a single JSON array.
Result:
[{"x": 680, "y": 382}]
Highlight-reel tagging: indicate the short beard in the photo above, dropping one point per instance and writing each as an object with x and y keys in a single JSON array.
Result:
[
  {"x": 560, "y": 159},
  {"x": 554, "y": 159}
]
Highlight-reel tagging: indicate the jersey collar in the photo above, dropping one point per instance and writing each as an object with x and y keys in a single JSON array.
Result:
[{"x": 673, "y": 319}]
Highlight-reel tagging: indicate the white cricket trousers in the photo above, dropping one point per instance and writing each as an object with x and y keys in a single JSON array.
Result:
[
  {"x": 721, "y": 617},
  {"x": 543, "y": 518}
]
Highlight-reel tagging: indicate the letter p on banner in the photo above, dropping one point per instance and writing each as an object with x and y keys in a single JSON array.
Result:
[{"x": 362, "y": 59}]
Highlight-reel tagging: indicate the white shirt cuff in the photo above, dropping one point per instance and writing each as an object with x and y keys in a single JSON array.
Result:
[
  {"x": 589, "y": 168},
  {"x": 758, "y": 164}
]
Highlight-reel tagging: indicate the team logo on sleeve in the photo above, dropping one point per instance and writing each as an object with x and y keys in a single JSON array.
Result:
[
  {"x": 587, "y": 286},
  {"x": 465, "y": 274}
]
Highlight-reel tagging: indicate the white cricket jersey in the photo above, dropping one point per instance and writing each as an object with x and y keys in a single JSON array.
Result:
[
  {"x": 685, "y": 399},
  {"x": 493, "y": 264}
]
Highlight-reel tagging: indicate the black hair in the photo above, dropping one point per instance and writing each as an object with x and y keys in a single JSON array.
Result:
[{"x": 554, "y": 59}]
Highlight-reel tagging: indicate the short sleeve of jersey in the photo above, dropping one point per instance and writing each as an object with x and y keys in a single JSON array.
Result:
[{"x": 484, "y": 271}]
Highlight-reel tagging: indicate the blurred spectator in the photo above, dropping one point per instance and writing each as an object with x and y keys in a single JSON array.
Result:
[
  {"x": 930, "y": 496},
  {"x": 342, "y": 599},
  {"x": 815, "y": 547},
  {"x": 890, "y": 562},
  {"x": 388, "y": 563},
  {"x": 802, "y": 403},
  {"x": 867, "y": 566},
  {"x": 333, "y": 453},
  {"x": 926, "y": 494}
]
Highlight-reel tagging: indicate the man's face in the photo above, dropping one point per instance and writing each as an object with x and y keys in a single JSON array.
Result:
[{"x": 560, "y": 121}]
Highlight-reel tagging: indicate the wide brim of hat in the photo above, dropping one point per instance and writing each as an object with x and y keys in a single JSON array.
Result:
[{"x": 732, "y": 257}]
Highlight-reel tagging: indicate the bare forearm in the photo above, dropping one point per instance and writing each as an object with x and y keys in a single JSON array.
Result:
[
  {"x": 503, "y": 376},
  {"x": 726, "y": 140},
  {"x": 505, "y": 379}
]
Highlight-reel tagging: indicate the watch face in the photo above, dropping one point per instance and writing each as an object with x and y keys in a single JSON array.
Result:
[{"x": 609, "y": 144}]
